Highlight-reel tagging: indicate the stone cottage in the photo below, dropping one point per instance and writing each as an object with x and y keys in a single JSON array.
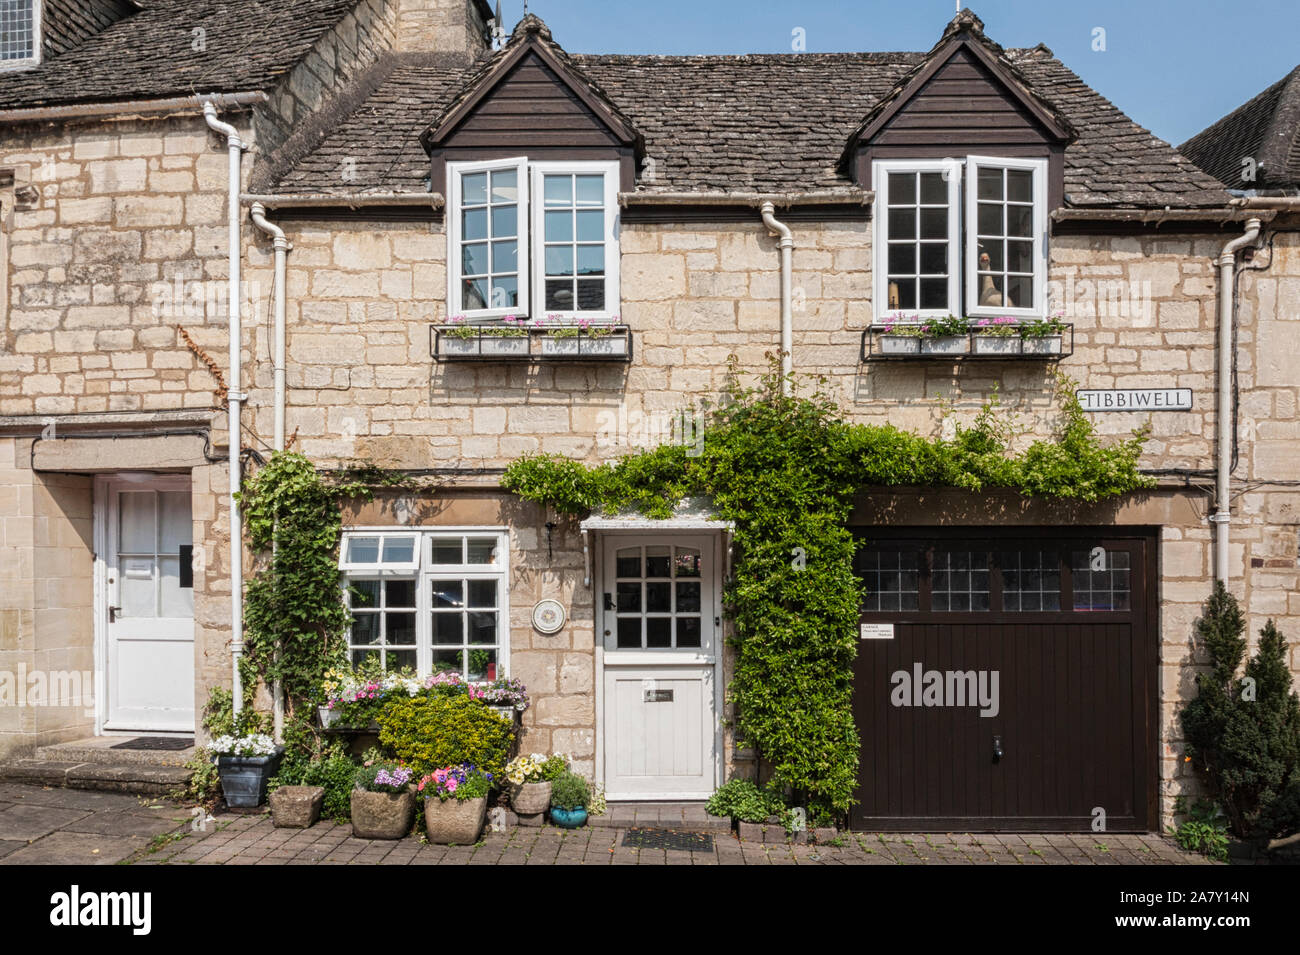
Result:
[{"x": 407, "y": 187}]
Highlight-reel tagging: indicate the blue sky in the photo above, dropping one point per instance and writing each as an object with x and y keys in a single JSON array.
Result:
[{"x": 1174, "y": 67}]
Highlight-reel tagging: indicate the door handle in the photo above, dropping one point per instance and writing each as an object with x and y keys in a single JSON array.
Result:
[
  {"x": 609, "y": 601},
  {"x": 997, "y": 749},
  {"x": 112, "y": 614}
]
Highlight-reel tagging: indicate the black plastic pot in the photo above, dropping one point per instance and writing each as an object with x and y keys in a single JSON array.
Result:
[{"x": 244, "y": 778}]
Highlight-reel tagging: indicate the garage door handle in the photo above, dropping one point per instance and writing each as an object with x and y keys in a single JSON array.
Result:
[{"x": 997, "y": 748}]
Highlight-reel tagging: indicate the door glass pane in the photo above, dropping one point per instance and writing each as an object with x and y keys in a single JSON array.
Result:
[
  {"x": 658, "y": 597},
  {"x": 628, "y": 562},
  {"x": 659, "y": 632},
  {"x": 657, "y": 561},
  {"x": 176, "y": 601},
  {"x": 136, "y": 591},
  {"x": 959, "y": 582},
  {"x": 688, "y": 597},
  {"x": 629, "y": 633},
  {"x": 176, "y": 527},
  {"x": 1031, "y": 581},
  {"x": 688, "y": 562},
  {"x": 1100, "y": 578},
  {"x": 688, "y": 631},
  {"x": 892, "y": 579},
  {"x": 629, "y": 598},
  {"x": 136, "y": 519}
]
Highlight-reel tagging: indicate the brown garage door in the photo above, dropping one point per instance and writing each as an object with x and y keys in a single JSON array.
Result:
[{"x": 1006, "y": 681}]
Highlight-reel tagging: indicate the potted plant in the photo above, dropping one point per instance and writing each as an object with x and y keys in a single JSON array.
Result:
[
  {"x": 944, "y": 336},
  {"x": 457, "y": 337},
  {"x": 245, "y": 764},
  {"x": 901, "y": 337},
  {"x": 996, "y": 336},
  {"x": 506, "y": 697},
  {"x": 569, "y": 798},
  {"x": 455, "y": 802},
  {"x": 603, "y": 338},
  {"x": 529, "y": 780},
  {"x": 559, "y": 339},
  {"x": 383, "y": 805},
  {"x": 1043, "y": 336},
  {"x": 508, "y": 338}
]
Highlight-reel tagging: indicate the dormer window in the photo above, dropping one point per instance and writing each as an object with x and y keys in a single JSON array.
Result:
[{"x": 20, "y": 34}]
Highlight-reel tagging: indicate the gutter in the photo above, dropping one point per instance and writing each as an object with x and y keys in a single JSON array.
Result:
[
  {"x": 432, "y": 200},
  {"x": 129, "y": 108},
  {"x": 1222, "y": 516},
  {"x": 1277, "y": 203},
  {"x": 754, "y": 199},
  {"x": 1150, "y": 216},
  {"x": 787, "y": 322},
  {"x": 235, "y": 398}
]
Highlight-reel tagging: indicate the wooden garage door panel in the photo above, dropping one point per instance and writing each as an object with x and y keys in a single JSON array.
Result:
[{"x": 1071, "y": 714}]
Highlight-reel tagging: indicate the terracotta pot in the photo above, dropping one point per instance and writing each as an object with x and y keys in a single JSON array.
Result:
[
  {"x": 454, "y": 822},
  {"x": 529, "y": 799},
  {"x": 381, "y": 815}
]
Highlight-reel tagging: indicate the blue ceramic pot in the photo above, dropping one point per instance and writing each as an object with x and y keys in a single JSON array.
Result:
[{"x": 568, "y": 818}]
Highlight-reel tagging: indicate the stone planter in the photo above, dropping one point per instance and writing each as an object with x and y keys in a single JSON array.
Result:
[
  {"x": 454, "y": 821},
  {"x": 996, "y": 345},
  {"x": 899, "y": 345},
  {"x": 508, "y": 713},
  {"x": 944, "y": 345},
  {"x": 1046, "y": 345},
  {"x": 244, "y": 778},
  {"x": 530, "y": 798},
  {"x": 560, "y": 347},
  {"x": 457, "y": 346},
  {"x": 614, "y": 346},
  {"x": 504, "y": 346},
  {"x": 382, "y": 815},
  {"x": 327, "y": 716},
  {"x": 296, "y": 807}
]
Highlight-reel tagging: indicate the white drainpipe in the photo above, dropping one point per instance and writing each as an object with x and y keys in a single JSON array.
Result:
[
  {"x": 258, "y": 213},
  {"x": 234, "y": 404},
  {"x": 1222, "y": 516},
  {"x": 787, "y": 321}
]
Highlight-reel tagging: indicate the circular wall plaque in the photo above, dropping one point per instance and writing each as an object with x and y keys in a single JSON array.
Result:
[{"x": 548, "y": 616}]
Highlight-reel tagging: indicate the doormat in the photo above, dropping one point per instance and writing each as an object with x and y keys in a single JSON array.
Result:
[
  {"x": 156, "y": 743},
  {"x": 667, "y": 839}
]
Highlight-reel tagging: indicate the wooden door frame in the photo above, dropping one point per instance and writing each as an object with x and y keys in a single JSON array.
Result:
[
  {"x": 102, "y": 507},
  {"x": 1145, "y": 619},
  {"x": 604, "y": 539}
]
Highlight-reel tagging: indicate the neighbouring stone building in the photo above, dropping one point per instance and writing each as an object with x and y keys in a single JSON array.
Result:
[{"x": 424, "y": 182}]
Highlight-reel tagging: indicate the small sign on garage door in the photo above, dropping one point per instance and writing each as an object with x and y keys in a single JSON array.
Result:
[{"x": 877, "y": 631}]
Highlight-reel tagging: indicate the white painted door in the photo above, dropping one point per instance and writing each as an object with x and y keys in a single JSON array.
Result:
[
  {"x": 660, "y": 729},
  {"x": 149, "y": 616}
]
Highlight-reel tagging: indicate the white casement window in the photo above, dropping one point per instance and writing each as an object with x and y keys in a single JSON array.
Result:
[
  {"x": 937, "y": 253},
  {"x": 1006, "y": 244},
  {"x": 532, "y": 240},
  {"x": 431, "y": 601},
  {"x": 20, "y": 34}
]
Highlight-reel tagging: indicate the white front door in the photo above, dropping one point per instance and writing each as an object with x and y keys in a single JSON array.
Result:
[
  {"x": 661, "y": 732},
  {"x": 149, "y": 611}
]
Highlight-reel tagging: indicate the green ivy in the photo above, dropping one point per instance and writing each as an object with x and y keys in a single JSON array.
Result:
[
  {"x": 785, "y": 469},
  {"x": 295, "y": 600}
]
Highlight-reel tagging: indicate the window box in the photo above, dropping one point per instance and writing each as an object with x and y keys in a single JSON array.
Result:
[
  {"x": 1046, "y": 345},
  {"x": 996, "y": 344},
  {"x": 946, "y": 345},
  {"x": 583, "y": 345},
  {"x": 507, "y": 347},
  {"x": 899, "y": 344},
  {"x": 537, "y": 345}
]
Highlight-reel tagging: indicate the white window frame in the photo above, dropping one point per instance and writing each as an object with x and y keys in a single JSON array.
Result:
[
  {"x": 424, "y": 571},
  {"x": 28, "y": 62},
  {"x": 455, "y": 305},
  {"x": 1039, "y": 169},
  {"x": 880, "y": 238},
  {"x": 610, "y": 170},
  {"x": 532, "y": 288}
]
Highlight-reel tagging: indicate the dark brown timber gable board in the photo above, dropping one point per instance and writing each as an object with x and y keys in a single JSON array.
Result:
[
  {"x": 529, "y": 109},
  {"x": 962, "y": 103}
]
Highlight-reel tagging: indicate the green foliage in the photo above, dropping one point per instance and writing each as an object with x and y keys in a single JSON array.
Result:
[
  {"x": 294, "y": 614},
  {"x": 431, "y": 732},
  {"x": 219, "y": 717},
  {"x": 569, "y": 791},
  {"x": 1243, "y": 735},
  {"x": 785, "y": 469},
  {"x": 1203, "y": 830},
  {"x": 741, "y": 799}
]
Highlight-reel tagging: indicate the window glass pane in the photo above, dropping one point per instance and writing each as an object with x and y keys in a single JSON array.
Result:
[
  {"x": 1031, "y": 581},
  {"x": 591, "y": 225},
  {"x": 505, "y": 291},
  {"x": 473, "y": 188},
  {"x": 505, "y": 221},
  {"x": 399, "y": 593},
  {"x": 934, "y": 258},
  {"x": 448, "y": 660},
  {"x": 902, "y": 259},
  {"x": 892, "y": 579},
  {"x": 902, "y": 188},
  {"x": 627, "y": 562},
  {"x": 448, "y": 628},
  {"x": 505, "y": 186},
  {"x": 629, "y": 632},
  {"x": 1020, "y": 220},
  {"x": 990, "y": 219},
  {"x": 558, "y": 190},
  {"x": 591, "y": 259},
  {"x": 447, "y": 550},
  {"x": 399, "y": 550},
  {"x": 482, "y": 550},
  {"x": 559, "y": 260},
  {"x": 365, "y": 593},
  {"x": 365, "y": 629},
  {"x": 482, "y": 665},
  {"x": 902, "y": 223},
  {"x": 657, "y": 561},
  {"x": 902, "y": 294},
  {"x": 473, "y": 224},
  {"x": 400, "y": 629},
  {"x": 591, "y": 295},
  {"x": 1020, "y": 185},
  {"x": 991, "y": 258},
  {"x": 559, "y": 294},
  {"x": 1020, "y": 256},
  {"x": 505, "y": 256},
  {"x": 591, "y": 190},
  {"x": 448, "y": 593},
  {"x": 959, "y": 581},
  {"x": 399, "y": 660},
  {"x": 559, "y": 226},
  {"x": 474, "y": 293},
  {"x": 482, "y": 627},
  {"x": 1020, "y": 291},
  {"x": 482, "y": 593},
  {"x": 934, "y": 293},
  {"x": 933, "y": 189},
  {"x": 659, "y": 631},
  {"x": 990, "y": 183},
  {"x": 688, "y": 631},
  {"x": 934, "y": 223},
  {"x": 474, "y": 258}
]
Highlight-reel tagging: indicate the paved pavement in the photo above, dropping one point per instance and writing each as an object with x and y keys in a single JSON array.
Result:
[{"x": 42, "y": 826}]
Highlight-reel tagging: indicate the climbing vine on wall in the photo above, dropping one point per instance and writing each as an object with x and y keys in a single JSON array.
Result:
[{"x": 785, "y": 469}]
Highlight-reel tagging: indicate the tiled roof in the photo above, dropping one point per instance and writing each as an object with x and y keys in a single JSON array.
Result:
[
  {"x": 762, "y": 123},
  {"x": 246, "y": 45},
  {"x": 1266, "y": 129}
]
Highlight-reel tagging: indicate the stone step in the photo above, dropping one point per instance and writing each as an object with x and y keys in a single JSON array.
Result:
[
  {"x": 686, "y": 817},
  {"x": 107, "y": 777},
  {"x": 99, "y": 749}
]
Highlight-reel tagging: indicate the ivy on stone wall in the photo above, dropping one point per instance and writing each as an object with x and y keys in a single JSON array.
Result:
[{"x": 785, "y": 469}]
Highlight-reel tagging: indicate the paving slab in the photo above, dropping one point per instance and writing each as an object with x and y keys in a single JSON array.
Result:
[
  {"x": 75, "y": 848},
  {"x": 23, "y": 823}
]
